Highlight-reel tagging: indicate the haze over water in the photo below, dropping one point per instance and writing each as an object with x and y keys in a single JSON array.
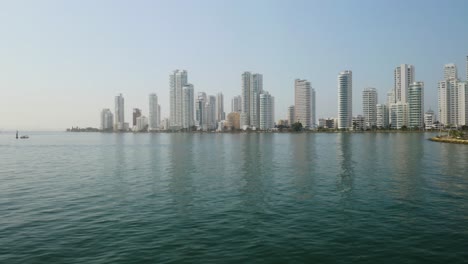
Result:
[{"x": 232, "y": 198}]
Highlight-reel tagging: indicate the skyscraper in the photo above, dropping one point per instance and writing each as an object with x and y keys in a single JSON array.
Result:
[
  {"x": 463, "y": 103},
  {"x": 107, "y": 120},
  {"x": 153, "y": 122},
  {"x": 200, "y": 110},
  {"x": 369, "y": 107},
  {"x": 302, "y": 102},
  {"x": 236, "y": 104},
  {"x": 266, "y": 111},
  {"x": 416, "y": 105},
  {"x": 245, "y": 114},
  {"x": 136, "y": 114},
  {"x": 187, "y": 106},
  {"x": 291, "y": 115},
  {"x": 119, "y": 123},
  {"x": 212, "y": 112},
  {"x": 403, "y": 77},
  {"x": 220, "y": 115},
  {"x": 177, "y": 80},
  {"x": 256, "y": 88},
  {"x": 345, "y": 99},
  {"x": 382, "y": 116},
  {"x": 450, "y": 71},
  {"x": 312, "y": 108},
  {"x": 390, "y": 101}
]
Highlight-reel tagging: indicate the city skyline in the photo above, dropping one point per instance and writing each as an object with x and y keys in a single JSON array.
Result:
[{"x": 64, "y": 77}]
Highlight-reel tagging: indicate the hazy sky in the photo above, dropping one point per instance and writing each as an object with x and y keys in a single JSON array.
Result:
[{"x": 61, "y": 62}]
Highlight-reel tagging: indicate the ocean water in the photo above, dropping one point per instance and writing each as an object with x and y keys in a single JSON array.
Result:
[{"x": 232, "y": 198}]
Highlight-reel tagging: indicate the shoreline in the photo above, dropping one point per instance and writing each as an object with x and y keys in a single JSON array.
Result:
[{"x": 449, "y": 140}]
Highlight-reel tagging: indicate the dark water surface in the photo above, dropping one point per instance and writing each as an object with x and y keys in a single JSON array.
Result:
[{"x": 240, "y": 198}]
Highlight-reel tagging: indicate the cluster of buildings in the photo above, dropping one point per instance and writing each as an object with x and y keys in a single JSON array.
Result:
[{"x": 254, "y": 109}]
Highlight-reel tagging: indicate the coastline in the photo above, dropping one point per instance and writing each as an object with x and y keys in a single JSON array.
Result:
[{"x": 449, "y": 140}]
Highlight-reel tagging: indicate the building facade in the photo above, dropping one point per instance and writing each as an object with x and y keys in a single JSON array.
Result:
[
  {"x": 107, "y": 120},
  {"x": 403, "y": 77},
  {"x": 177, "y": 80},
  {"x": 236, "y": 104},
  {"x": 291, "y": 115},
  {"x": 302, "y": 102},
  {"x": 267, "y": 115},
  {"x": 416, "y": 105},
  {"x": 220, "y": 115},
  {"x": 187, "y": 106},
  {"x": 345, "y": 100},
  {"x": 154, "y": 113},
  {"x": 119, "y": 117},
  {"x": 369, "y": 107},
  {"x": 382, "y": 116}
]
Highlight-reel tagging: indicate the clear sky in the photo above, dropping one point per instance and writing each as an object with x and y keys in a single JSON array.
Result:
[{"x": 61, "y": 62}]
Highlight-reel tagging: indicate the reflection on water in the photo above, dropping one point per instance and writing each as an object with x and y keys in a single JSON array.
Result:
[
  {"x": 303, "y": 164},
  {"x": 346, "y": 164}
]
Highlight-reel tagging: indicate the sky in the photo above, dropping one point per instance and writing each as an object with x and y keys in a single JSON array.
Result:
[{"x": 62, "y": 62}]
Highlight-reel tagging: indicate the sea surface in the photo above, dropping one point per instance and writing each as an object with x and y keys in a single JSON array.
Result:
[{"x": 232, "y": 198}]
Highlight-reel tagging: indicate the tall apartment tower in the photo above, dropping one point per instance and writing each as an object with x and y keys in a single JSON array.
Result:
[
  {"x": 256, "y": 88},
  {"x": 236, "y": 104},
  {"x": 302, "y": 102},
  {"x": 200, "y": 110},
  {"x": 119, "y": 122},
  {"x": 382, "y": 116},
  {"x": 450, "y": 71},
  {"x": 390, "y": 101},
  {"x": 416, "y": 105},
  {"x": 266, "y": 111},
  {"x": 187, "y": 106},
  {"x": 220, "y": 115},
  {"x": 369, "y": 107},
  {"x": 107, "y": 120},
  {"x": 245, "y": 113},
  {"x": 136, "y": 114},
  {"x": 291, "y": 115},
  {"x": 345, "y": 99},
  {"x": 403, "y": 77},
  {"x": 177, "y": 80},
  {"x": 153, "y": 120},
  {"x": 463, "y": 103},
  {"x": 313, "y": 120}
]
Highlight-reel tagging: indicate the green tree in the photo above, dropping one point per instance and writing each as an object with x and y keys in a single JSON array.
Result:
[{"x": 297, "y": 126}]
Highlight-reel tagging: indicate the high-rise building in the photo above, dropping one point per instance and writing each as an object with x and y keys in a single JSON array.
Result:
[
  {"x": 313, "y": 119},
  {"x": 236, "y": 104},
  {"x": 234, "y": 120},
  {"x": 141, "y": 124},
  {"x": 390, "y": 101},
  {"x": 107, "y": 120},
  {"x": 382, "y": 116},
  {"x": 245, "y": 114},
  {"x": 462, "y": 104},
  {"x": 177, "y": 80},
  {"x": 291, "y": 115},
  {"x": 153, "y": 120},
  {"x": 345, "y": 99},
  {"x": 399, "y": 115},
  {"x": 302, "y": 102},
  {"x": 256, "y": 88},
  {"x": 443, "y": 102},
  {"x": 359, "y": 122},
  {"x": 466, "y": 69},
  {"x": 119, "y": 122},
  {"x": 403, "y": 77},
  {"x": 429, "y": 119},
  {"x": 369, "y": 107},
  {"x": 200, "y": 110},
  {"x": 212, "y": 115},
  {"x": 187, "y": 106},
  {"x": 136, "y": 114},
  {"x": 450, "y": 71},
  {"x": 220, "y": 115},
  {"x": 416, "y": 105},
  {"x": 266, "y": 111}
]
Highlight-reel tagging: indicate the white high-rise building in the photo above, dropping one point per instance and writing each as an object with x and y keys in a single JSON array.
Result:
[
  {"x": 382, "y": 116},
  {"x": 119, "y": 123},
  {"x": 220, "y": 115},
  {"x": 177, "y": 80},
  {"x": 266, "y": 111},
  {"x": 399, "y": 115},
  {"x": 236, "y": 104},
  {"x": 345, "y": 99},
  {"x": 107, "y": 120},
  {"x": 153, "y": 120},
  {"x": 443, "y": 102},
  {"x": 369, "y": 107},
  {"x": 141, "y": 123},
  {"x": 416, "y": 105},
  {"x": 312, "y": 108},
  {"x": 302, "y": 102},
  {"x": 256, "y": 88},
  {"x": 403, "y": 77},
  {"x": 390, "y": 101},
  {"x": 291, "y": 115},
  {"x": 245, "y": 114},
  {"x": 429, "y": 119},
  {"x": 450, "y": 71},
  {"x": 462, "y": 104},
  {"x": 212, "y": 114},
  {"x": 187, "y": 106}
]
